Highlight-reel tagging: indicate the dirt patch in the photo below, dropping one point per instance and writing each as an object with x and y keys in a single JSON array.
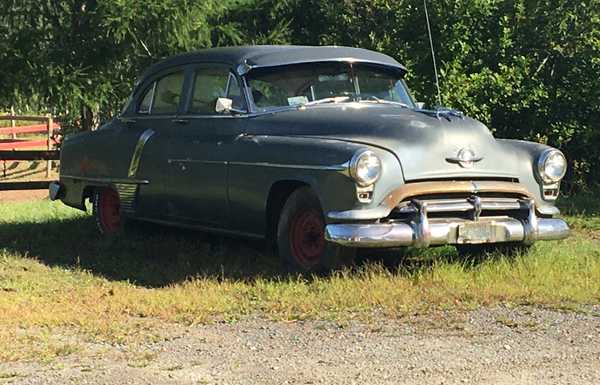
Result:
[
  {"x": 22, "y": 195},
  {"x": 486, "y": 346}
]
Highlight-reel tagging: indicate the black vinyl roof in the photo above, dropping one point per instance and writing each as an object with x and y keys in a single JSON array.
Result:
[{"x": 244, "y": 58}]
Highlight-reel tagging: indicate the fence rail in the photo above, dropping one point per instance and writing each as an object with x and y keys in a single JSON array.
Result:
[
  {"x": 33, "y": 185},
  {"x": 30, "y": 155}
]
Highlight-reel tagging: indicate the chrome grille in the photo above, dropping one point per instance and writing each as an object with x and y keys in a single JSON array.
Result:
[{"x": 461, "y": 205}]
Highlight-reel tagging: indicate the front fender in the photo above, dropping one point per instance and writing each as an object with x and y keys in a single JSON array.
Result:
[
  {"x": 261, "y": 161},
  {"x": 528, "y": 154}
]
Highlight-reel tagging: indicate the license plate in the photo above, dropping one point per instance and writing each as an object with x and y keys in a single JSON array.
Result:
[{"x": 476, "y": 233}]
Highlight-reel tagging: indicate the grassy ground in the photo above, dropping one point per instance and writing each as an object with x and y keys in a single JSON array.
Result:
[{"x": 61, "y": 285}]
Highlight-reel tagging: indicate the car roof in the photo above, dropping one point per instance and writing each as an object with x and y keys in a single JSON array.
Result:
[{"x": 244, "y": 58}]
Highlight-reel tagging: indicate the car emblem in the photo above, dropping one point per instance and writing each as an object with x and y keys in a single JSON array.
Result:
[{"x": 465, "y": 158}]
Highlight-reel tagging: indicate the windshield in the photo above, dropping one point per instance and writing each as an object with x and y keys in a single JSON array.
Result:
[{"x": 299, "y": 84}]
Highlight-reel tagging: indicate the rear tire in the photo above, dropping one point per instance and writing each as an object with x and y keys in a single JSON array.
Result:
[
  {"x": 301, "y": 237},
  {"x": 107, "y": 211}
]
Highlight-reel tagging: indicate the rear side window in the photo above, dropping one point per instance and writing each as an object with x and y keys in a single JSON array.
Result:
[
  {"x": 167, "y": 94},
  {"x": 211, "y": 84}
]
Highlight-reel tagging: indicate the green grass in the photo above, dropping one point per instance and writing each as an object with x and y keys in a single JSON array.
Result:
[{"x": 62, "y": 285}]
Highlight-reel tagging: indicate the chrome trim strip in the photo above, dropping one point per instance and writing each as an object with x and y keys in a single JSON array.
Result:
[
  {"x": 339, "y": 167},
  {"x": 148, "y": 117},
  {"x": 137, "y": 153},
  {"x": 105, "y": 180},
  {"x": 221, "y": 162}
]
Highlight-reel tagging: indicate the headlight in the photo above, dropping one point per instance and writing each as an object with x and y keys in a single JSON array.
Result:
[
  {"x": 552, "y": 166},
  {"x": 365, "y": 168}
]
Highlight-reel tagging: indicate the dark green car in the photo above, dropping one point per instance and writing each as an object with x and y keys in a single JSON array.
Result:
[{"x": 321, "y": 149}]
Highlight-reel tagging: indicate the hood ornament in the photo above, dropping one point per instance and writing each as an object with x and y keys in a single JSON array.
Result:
[{"x": 466, "y": 158}]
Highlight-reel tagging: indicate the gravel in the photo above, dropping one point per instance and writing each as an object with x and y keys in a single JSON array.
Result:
[{"x": 500, "y": 345}]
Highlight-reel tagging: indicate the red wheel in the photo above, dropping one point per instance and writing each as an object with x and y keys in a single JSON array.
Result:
[
  {"x": 107, "y": 210},
  {"x": 301, "y": 236},
  {"x": 307, "y": 237}
]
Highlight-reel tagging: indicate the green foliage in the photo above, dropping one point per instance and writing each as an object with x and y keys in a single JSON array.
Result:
[
  {"x": 66, "y": 55},
  {"x": 525, "y": 68}
]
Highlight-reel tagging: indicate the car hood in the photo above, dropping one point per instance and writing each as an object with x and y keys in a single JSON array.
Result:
[{"x": 424, "y": 144}]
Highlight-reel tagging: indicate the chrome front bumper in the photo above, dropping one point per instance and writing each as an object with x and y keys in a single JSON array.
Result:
[{"x": 423, "y": 231}]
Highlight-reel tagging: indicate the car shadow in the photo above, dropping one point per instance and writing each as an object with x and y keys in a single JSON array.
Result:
[
  {"x": 156, "y": 256},
  {"x": 145, "y": 254}
]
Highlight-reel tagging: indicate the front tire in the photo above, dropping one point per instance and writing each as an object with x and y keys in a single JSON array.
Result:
[
  {"x": 107, "y": 211},
  {"x": 301, "y": 237}
]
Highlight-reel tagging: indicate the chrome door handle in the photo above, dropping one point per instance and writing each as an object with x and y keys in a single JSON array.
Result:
[{"x": 180, "y": 121}]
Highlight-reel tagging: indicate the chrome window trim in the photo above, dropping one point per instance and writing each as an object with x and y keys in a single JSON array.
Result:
[{"x": 141, "y": 99}]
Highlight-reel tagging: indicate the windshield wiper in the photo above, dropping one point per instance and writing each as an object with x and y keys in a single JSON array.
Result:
[
  {"x": 335, "y": 99},
  {"x": 375, "y": 99}
]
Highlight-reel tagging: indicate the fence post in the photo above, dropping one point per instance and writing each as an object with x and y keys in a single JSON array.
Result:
[
  {"x": 13, "y": 123},
  {"x": 49, "y": 162}
]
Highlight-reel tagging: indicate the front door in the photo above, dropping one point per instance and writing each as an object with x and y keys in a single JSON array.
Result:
[{"x": 198, "y": 149}]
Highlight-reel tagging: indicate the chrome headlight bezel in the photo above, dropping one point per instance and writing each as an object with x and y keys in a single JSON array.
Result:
[
  {"x": 355, "y": 163},
  {"x": 542, "y": 164}
]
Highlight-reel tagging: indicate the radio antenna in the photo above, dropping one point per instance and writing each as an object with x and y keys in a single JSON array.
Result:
[{"x": 437, "y": 81}]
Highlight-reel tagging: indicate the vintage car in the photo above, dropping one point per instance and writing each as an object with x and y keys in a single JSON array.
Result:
[{"x": 321, "y": 149}]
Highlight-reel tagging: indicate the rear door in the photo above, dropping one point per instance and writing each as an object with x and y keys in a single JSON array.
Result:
[
  {"x": 199, "y": 146},
  {"x": 152, "y": 124}
]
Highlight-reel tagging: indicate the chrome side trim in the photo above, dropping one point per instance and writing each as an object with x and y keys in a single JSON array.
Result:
[
  {"x": 137, "y": 153},
  {"x": 105, "y": 180},
  {"x": 221, "y": 162},
  {"x": 338, "y": 167}
]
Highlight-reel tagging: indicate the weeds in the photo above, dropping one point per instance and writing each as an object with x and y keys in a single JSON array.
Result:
[{"x": 57, "y": 277}]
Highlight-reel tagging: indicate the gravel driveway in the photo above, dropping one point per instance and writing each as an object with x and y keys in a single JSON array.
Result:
[{"x": 488, "y": 346}]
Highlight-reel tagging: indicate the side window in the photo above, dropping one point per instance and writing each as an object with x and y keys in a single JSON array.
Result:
[
  {"x": 167, "y": 94},
  {"x": 211, "y": 84},
  {"x": 144, "y": 107}
]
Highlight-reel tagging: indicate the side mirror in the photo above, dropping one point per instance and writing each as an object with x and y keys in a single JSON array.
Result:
[
  {"x": 223, "y": 105},
  {"x": 420, "y": 105}
]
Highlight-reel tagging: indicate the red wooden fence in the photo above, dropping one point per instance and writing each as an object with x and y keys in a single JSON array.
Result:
[{"x": 48, "y": 127}]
